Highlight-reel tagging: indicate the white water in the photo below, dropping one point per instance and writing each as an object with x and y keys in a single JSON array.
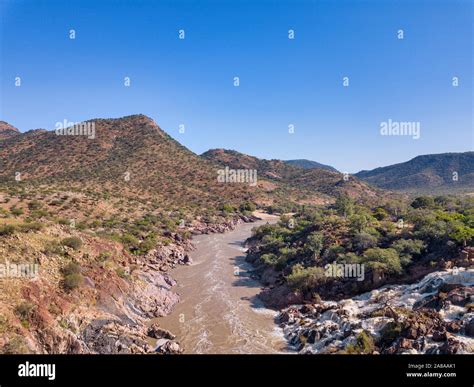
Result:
[{"x": 352, "y": 314}]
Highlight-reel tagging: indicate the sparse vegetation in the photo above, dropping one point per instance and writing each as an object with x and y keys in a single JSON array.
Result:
[
  {"x": 72, "y": 276},
  {"x": 72, "y": 242}
]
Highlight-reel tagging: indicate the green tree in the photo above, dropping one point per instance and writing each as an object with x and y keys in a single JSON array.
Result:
[
  {"x": 384, "y": 260},
  {"x": 461, "y": 233},
  {"x": 358, "y": 222},
  {"x": 363, "y": 241},
  {"x": 306, "y": 279},
  {"x": 344, "y": 206},
  {"x": 407, "y": 248},
  {"x": 423, "y": 202},
  {"x": 314, "y": 243}
]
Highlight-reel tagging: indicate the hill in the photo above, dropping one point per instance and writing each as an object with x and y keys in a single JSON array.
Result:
[
  {"x": 313, "y": 185},
  {"x": 309, "y": 164},
  {"x": 7, "y": 130},
  {"x": 442, "y": 172}
]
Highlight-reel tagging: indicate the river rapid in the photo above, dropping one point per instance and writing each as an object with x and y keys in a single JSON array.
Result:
[{"x": 219, "y": 311}]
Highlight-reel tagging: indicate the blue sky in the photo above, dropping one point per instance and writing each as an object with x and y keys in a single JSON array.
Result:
[{"x": 282, "y": 81}]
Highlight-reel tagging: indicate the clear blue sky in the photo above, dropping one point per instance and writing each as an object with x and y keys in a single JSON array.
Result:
[{"x": 283, "y": 81}]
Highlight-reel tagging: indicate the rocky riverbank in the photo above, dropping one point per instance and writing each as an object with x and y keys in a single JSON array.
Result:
[
  {"x": 111, "y": 311},
  {"x": 150, "y": 297},
  {"x": 432, "y": 316}
]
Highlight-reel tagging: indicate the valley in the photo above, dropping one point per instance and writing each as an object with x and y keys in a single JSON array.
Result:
[{"x": 143, "y": 246}]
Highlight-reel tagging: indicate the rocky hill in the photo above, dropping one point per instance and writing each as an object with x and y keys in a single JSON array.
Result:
[
  {"x": 7, "y": 130},
  {"x": 314, "y": 185}
]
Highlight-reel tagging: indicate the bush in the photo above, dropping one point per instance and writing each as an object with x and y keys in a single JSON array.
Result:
[
  {"x": 423, "y": 202},
  {"x": 34, "y": 226},
  {"x": 72, "y": 281},
  {"x": 248, "y": 206},
  {"x": 305, "y": 279},
  {"x": 314, "y": 243},
  {"x": 227, "y": 208},
  {"x": 72, "y": 277},
  {"x": 53, "y": 248},
  {"x": 406, "y": 248},
  {"x": 72, "y": 242},
  {"x": 24, "y": 311},
  {"x": 389, "y": 333},
  {"x": 16, "y": 211},
  {"x": 121, "y": 272},
  {"x": 384, "y": 260},
  {"x": 7, "y": 229},
  {"x": 363, "y": 241},
  {"x": 380, "y": 213},
  {"x": 34, "y": 205},
  {"x": 16, "y": 345},
  {"x": 71, "y": 268},
  {"x": 358, "y": 222},
  {"x": 364, "y": 344},
  {"x": 344, "y": 206}
]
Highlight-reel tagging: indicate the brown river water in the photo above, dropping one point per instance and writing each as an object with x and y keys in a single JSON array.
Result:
[{"x": 219, "y": 312}]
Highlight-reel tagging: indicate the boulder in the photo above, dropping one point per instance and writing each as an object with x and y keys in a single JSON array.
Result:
[
  {"x": 405, "y": 343},
  {"x": 157, "y": 332},
  {"x": 469, "y": 328},
  {"x": 439, "y": 336}
]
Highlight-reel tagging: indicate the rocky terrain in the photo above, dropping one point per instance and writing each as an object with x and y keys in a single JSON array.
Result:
[
  {"x": 111, "y": 310},
  {"x": 7, "y": 130},
  {"x": 432, "y": 316},
  {"x": 290, "y": 181}
]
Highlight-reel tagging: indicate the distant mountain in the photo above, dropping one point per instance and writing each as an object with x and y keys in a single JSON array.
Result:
[
  {"x": 7, "y": 130},
  {"x": 442, "y": 172},
  {"x": 309, "y": 164},
  {"x": 296, "y": 183}
]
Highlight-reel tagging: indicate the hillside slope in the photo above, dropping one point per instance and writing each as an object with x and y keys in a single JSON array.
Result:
[
  {"x": 425, "y": 173},
  {"x": 298, "y": 183},
  {"x": 7, "y": 130},
  {"x": 309, "y": 164}
]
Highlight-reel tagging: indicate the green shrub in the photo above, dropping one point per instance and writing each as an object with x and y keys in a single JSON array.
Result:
[
  {"x": 227, "y": 208},
  {"x": 314, "y": 243},
  {"x": 72, "y": 242},
  {"x": 72, "y": 281},
  {"x": 364, "y": 344},
  {"x": 121, "y": 272},
  {"x": 33, "y": 226},
  {"x": 305, "y": 279},
  {"x": 71, "y": 268},
  {"x": 24, "y": 310},
  {"x": 423, "y": 202},
  {"x": 384, "y": 260},
  {"x": 16, "y": 211},
  {"x": 7, "y": 229},
  {"x": 248, "y": 206},
  {"x": 389, "y": 333},
  {"x": 16, "y": 345}
]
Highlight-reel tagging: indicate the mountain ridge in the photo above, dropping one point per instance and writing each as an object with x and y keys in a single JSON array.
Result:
[
  {"x": 444, "y": 171},
  {"x": 310, "y": 164}
]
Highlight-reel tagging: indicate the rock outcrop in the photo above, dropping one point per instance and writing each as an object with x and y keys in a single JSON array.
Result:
[{"x": 433, "y": 316}]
